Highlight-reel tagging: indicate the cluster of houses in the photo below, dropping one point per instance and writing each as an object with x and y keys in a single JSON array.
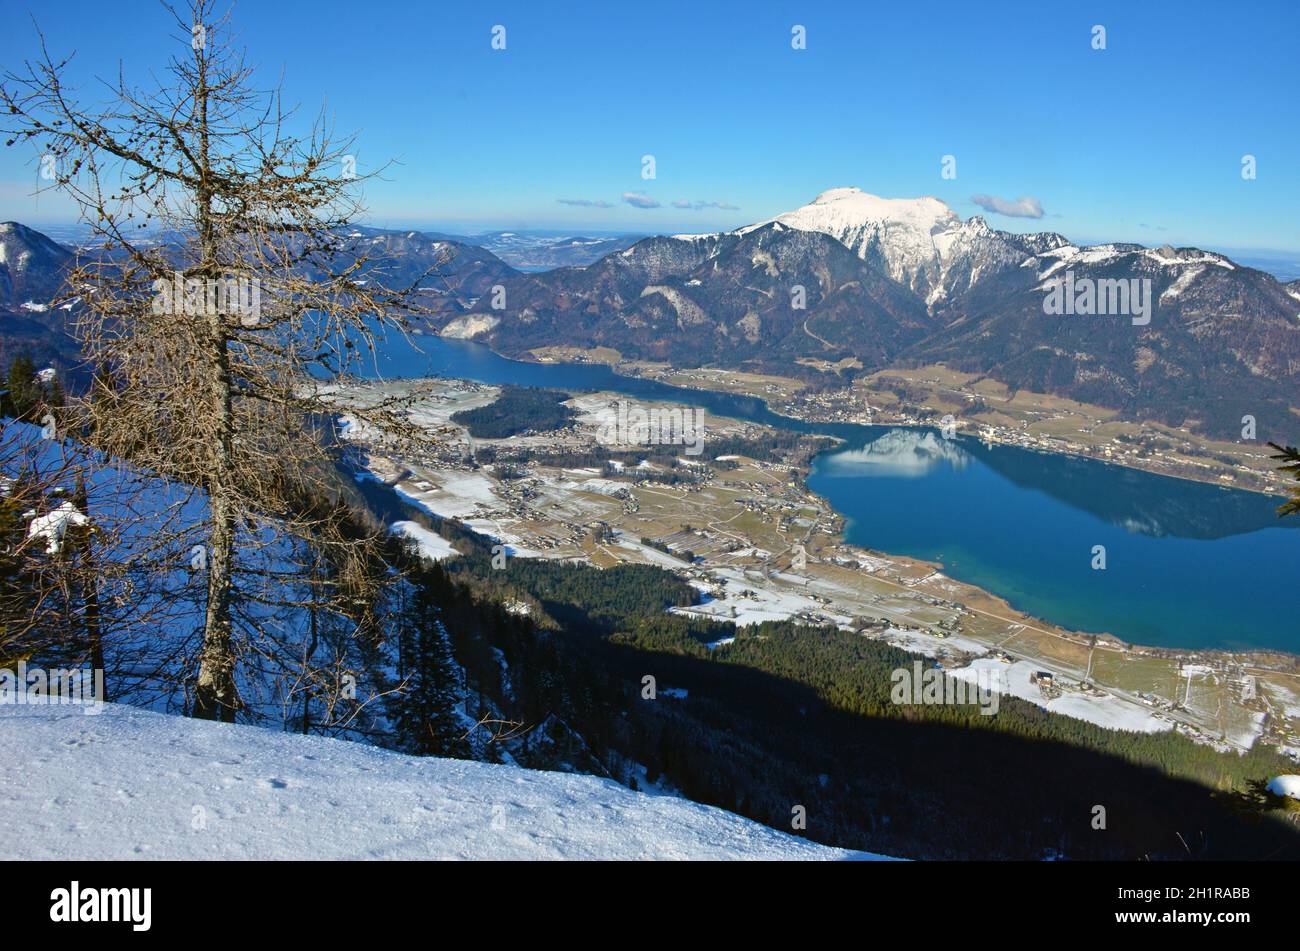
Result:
[{"x": 1046, "y": 682}]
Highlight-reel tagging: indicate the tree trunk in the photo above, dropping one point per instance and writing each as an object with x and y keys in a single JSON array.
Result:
[
  {"x": 315, "y": 639},
  {"x": 216, "y": 696},
  {"x": 90, "y": 588}
]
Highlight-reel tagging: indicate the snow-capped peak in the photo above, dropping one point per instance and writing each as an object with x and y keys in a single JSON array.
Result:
[
  {"x": 915, "y": 240},
  {"x": 840, "y": 211}
]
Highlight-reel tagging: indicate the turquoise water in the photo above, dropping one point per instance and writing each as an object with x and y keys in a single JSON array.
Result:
[{"x": 1187, "y": 564}]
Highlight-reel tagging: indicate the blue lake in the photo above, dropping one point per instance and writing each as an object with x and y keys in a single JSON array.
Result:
[{"x": 1187, "y": 564}]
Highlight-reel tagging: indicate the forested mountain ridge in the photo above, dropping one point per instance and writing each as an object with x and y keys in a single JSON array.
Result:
[
  {"x": 790, "y": 715},
  {"x": 448, "y": 276}
]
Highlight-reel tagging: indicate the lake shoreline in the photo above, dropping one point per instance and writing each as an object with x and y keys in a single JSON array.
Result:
[
  {"x": 1267, "y": 654},
  {"x": 1213, "y": 476},
  {"x": 639, "y": 370}
]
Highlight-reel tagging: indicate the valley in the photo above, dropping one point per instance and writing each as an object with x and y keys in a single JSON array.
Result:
[
  {"x": 857, "y": 284},
  {"x": 758, "y": 545}
]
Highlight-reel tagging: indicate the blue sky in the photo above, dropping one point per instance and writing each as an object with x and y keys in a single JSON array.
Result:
[{"x": 1142, "y": 141}]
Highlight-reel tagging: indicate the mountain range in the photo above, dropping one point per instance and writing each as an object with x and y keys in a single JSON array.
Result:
[
  {"x": 879, "y": 282},
  {"x": 905, "y": 282},
  {"x": 541, "y": 251}
]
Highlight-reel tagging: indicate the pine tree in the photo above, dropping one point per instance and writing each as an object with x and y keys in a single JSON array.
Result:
[
  {"x": 55, "y": 398},
  {"x": 38, "y": 588},
  {"x": 24, "y": 391},
  {"x": 17, "y": 586},
  {"x": 426, "y": 712}
]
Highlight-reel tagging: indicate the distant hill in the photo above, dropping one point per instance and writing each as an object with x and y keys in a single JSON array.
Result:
[{"x": 532, "y": 251}]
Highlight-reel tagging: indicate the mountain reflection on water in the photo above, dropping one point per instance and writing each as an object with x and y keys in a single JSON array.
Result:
[
  {"x": 900, "y": 452},
  {"x": 1134, "y": 500}
]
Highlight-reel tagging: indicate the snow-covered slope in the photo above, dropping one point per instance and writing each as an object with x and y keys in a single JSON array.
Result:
[
  {"x": 425, "y": 542},
  {"x": 129, "y": 783},
  {"x": 31, "y": 265}
]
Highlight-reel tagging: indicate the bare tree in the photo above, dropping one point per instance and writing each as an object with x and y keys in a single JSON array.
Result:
[{"x": 226, "y": 312}]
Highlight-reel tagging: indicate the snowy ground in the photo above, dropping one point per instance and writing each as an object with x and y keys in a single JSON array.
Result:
[
  {"x": 1281, "y": 698},
  {"x": 128, "y": 783},
  {"x": 931, "y": 645},
  {"x": 1107, "y": 710},
  {"x": 428, "y": 544},
  {"x": 756, "y": 605},
  {"x": 1285, "y": 786},
  {"x": 458, "y": 494}
]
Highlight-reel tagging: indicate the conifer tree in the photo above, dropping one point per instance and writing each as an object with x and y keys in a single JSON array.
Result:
[
  {"x": 427, "y": 709},
  {"x": 24, "y": 391}
]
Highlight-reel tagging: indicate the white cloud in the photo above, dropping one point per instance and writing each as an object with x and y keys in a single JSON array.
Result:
[
  {"x": 586, "y": 202},
  {"x": 1020, "y": 208},
  {"x": 639, "y": 200}
]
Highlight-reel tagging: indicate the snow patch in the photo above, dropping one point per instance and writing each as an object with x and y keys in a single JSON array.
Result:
[
  {"x": 1286, "y": 785},
  {"x": 54, "y": 525},
  {"x": 428, "y": 544}
]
